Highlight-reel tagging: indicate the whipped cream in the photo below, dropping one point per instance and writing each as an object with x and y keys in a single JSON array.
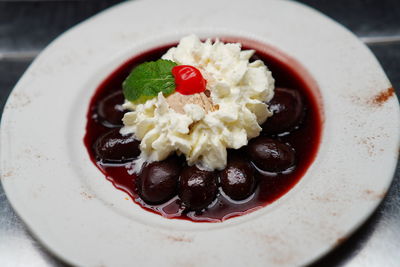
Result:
[{"x": 202, "y": 131}]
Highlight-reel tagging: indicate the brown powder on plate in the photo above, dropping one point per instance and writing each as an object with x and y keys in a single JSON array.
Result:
[{"x": 383, "y": 96}]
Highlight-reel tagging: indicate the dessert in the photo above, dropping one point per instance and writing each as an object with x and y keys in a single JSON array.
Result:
[
  {"x": 215, "y": 139},
  {"x": 202, "y": 127}
]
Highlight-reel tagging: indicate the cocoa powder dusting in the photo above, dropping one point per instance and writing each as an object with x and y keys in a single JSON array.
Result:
[
  {"x": 383, "y": 96},
  {"x": 177, "y": 101},
  {"x": 180, "y": 239}
]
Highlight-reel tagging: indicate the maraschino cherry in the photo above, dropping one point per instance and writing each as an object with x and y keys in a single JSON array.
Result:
[{"x": 188, "y": 80}]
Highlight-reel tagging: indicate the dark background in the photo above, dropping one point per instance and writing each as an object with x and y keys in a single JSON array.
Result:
[{"x": 26, "y": 27}]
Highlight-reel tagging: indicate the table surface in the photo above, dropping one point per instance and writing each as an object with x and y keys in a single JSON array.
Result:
[{"x": 26, "y": 27}]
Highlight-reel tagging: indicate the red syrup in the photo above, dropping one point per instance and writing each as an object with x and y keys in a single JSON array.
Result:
[{"x": 305, "y": 140}]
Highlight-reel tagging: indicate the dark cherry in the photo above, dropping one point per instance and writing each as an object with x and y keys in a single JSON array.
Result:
[
  {"x": 197, "y": 188},
  {"x": 112, "y": 147},
  {"x": 110, "y": 110},
  {"x": 271, "y": 155},
  {"x": 237, "y": 179},
  {"x": 158, "y": 181},
  {"x": 288, "y": 111}
]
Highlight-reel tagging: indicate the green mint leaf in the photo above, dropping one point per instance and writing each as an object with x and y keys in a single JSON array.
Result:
[{"x": 148, "y": 79}]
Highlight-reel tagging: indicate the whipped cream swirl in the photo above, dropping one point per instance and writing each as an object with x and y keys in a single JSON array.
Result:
[{"x": 238, "y": 89}]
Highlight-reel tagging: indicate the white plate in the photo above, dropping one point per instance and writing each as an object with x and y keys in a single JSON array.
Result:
[{"x": 83, "y": 219}]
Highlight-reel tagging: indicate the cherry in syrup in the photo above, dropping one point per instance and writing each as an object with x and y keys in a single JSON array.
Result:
[
  {"x": 158, "y": 181},
  {"x": 112, "y": 147},
  {"x": 271, "y": 155},
  {"x": 197, "y": 188},
  {"x": 110, "y": 111},
  {"x": 237, "y": 179},
  {"x": 288, "y": 111}
]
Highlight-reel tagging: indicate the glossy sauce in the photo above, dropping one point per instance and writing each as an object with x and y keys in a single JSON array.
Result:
[{"x": 271, "y": 186}]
